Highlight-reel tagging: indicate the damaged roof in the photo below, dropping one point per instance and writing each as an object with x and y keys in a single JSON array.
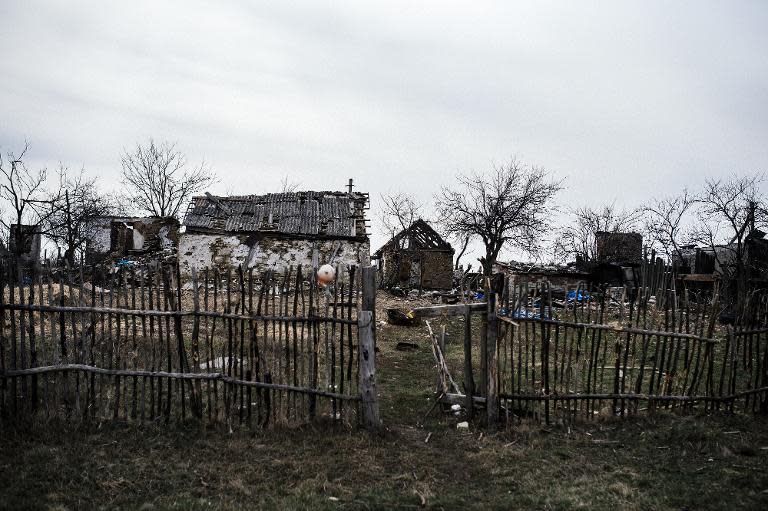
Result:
[
  {"x": 419, "y": 236},
  {"x": 334, "y": 214}
]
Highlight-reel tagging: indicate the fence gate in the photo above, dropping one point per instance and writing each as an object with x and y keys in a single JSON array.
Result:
[
  {"x": 588, "y": 354},
  {"x": 143, "y": 343}
]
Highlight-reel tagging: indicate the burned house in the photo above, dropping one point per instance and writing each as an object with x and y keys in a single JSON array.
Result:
[
  {"x": 619, "y": 257},
  {"x": 556, "y": 276},
  {"x": 718, "y": 262},
  {"x": 115, "y": 237},
  {"x": 275, "y": 231},
  {"x": 622, "y": 248},
  {"x": 24, "y": 243},
  {"x": 417, "y": 258}
]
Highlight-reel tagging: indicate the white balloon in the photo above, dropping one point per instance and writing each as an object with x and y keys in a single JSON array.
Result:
[{"x": 326, "y": 274}]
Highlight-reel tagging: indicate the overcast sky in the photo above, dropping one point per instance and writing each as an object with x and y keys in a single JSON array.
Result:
[{"x": 622, "y": 99}]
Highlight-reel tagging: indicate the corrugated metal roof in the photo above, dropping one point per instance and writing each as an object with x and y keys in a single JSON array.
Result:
[{"x": 297, "y": 213}]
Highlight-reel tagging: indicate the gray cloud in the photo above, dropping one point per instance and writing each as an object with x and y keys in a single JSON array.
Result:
[{"x": 622, "y": 99}]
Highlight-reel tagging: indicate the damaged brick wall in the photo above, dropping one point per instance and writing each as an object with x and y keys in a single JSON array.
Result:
[
  {"x": 415, "y": 268},
  {"x": 619, "y": 247},
  {"x": 437, "y": 270}
]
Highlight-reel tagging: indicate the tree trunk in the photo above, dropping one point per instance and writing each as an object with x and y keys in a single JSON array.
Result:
[{"x": 463, "y": 249}]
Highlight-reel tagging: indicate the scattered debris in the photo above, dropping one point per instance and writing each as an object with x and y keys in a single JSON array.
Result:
[{"x": 400, "y": 318}]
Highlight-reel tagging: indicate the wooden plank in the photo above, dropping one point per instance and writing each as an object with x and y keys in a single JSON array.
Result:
[
  {"x": 447, "y": 310},
  {"x": 699, "y": 277},
  {"x": 367, "y": 360},
  {"x": 469, "y": 381},
  {"x": 492, "y": 361},
  {"x": 173, "y": 313},
  {"x": 173, "y": 376}
]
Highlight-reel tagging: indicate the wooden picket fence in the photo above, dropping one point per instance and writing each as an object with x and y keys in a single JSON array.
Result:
[
  {"x": 141, "y": 343},
  {"x": 586, "y": 354}
]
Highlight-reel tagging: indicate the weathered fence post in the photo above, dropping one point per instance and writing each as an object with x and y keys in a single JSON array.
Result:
[
  {"x": 491, "y": 358},
  {"x": 366, "y": 329},
  {"x": 469, "y": 382}
]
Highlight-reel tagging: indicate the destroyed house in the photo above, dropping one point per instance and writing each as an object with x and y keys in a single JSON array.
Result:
[
  {"x": 127, "y": 237},
  {"x": 622, "y": 248},
  {"x": 24, "y": 242},
  {"x": 720, "y": 260},
  {"x": 557, "y": 276},
  {"x": 418, "y": 258},
  {"x": 275, "y": 231}
]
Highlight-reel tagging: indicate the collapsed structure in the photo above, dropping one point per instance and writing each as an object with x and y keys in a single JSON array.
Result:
[
  {"x": 560, "y": 276},
  {"x": 617, "y": 262},
  {"x": 416, "y": 257},
  {"x": 25, "y": 241},
  {"x": 275, "y": 231},
  {"x": 126, "y": 237}
]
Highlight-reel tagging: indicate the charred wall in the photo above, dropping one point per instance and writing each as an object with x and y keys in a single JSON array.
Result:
[{"x": 428, "y": 269}]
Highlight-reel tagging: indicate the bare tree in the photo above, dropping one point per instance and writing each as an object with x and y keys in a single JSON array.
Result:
[
  {"x": 24, "y": 191},
  {"x": 665, "y": 225},
  {"x": 74, "y": 204},
  {"x": 510, "y": 206},
  {"x": 158, "y": 180},
  {"x": 730, "y": 210},
  {"x": 578, "y": 239},
  {"x": 398, "y": 211}
]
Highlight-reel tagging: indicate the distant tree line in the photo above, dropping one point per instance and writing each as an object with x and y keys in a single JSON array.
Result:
[{"x": 512, "y": 207}]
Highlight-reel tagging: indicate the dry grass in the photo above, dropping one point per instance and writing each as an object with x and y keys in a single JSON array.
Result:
[{"x": 664, "y": 462}]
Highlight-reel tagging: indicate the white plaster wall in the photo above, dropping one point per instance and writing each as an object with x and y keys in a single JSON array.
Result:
[{"x": 208, "y": 251}]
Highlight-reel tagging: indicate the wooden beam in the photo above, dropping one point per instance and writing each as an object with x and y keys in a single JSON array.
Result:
[
  {"x": 699, "y": 277},
  {"x": 367, "y": 358},
  {"x": 448, "y": 310}
]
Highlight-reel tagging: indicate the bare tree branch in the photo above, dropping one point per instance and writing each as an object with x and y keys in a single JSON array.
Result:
[
  {"x": 729, "y": 210},
  {"x": 664, "y": 222},
  {"x": 577, "y": 240},
  {"x": 510, "y": 206},
  {"x": 398, "y": 211},
  {"x": 288, "y": 186},
  {"x": 22, "y": 190},
  {"x": 74, "y": 204},
  {"x": 158, "y": 180}
]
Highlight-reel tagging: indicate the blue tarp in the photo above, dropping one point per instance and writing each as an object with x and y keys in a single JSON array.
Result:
[
  {"x": 522, "y": 313},
  {"x": 580, "y": 298}
]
